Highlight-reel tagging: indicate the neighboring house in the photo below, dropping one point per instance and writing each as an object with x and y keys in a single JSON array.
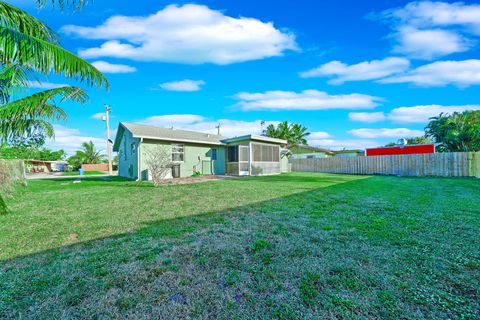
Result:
[
  {"x": 348, "y": 153},
  {"x": 34, "y": 166},
  {"x": 196, "y": 151},
  {"x": 401, "y": 149},
  {"x": 309, "y": 152}
]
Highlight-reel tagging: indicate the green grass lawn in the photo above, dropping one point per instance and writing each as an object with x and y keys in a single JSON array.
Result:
[
  {"x": 294, "y": 246},
  {"x": 87, "y": 173}
]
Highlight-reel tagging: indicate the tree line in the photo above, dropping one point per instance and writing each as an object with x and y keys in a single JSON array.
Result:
[{"x": 457, "y": 132}]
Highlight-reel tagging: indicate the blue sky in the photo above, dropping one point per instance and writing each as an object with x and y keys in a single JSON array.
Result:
[{"x": 356, "y": 73}]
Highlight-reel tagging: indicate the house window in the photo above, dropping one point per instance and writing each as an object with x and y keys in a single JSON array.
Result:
[
  {"x": 214, "y": 154},
  {"x": 232, "y": 154},
  {"x": 265, "y": 153},
  {"x": 133, "y": 148},
  {"x": 178, "y": 152}
]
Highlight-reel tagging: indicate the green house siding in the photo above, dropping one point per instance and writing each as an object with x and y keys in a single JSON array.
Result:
[
  {"x": 195, "y": 155},
  {"x": 127, "y": 156}
]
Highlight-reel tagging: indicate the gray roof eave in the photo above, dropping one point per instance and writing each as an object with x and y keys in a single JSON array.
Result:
[{"x": 179, "y": 140}]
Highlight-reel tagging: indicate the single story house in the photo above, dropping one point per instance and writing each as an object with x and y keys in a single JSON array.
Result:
[
  {"x": 309, "y": 152},
  {"x": 34, "y": 166},
  {"x": 349, "y": 153},
  {"x": 196, "y": 152}
]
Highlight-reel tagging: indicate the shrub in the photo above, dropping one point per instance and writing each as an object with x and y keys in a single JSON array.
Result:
[
  {"x": 11, "y": 172},
  {"x": 197, "y": 174},
  {"x": 159, "y": 163}
]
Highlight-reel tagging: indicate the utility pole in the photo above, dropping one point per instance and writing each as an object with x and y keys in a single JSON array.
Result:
[
  {"x": 109, "y": 149},
  {"x": 218, "y": 129}
]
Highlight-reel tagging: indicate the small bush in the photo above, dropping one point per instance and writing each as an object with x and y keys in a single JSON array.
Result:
[
  {"x": 197, "y": 174},
  {"x": 11, "y": 172}
]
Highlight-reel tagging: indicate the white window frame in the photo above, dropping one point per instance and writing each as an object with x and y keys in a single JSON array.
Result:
[{"x": 174, "y": 151}]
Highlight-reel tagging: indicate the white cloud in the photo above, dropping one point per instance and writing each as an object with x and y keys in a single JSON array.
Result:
[
  {"x": 421, "y": 114},
  {"x": 318, "y": 135},
  {"x": 228, "y": 127},
  {"x": 366, "y": 70},
  {"x": 415, "y": 114},
  {"x": 429, "y": 44},
  {"x": 190, "y": 33},
  {"x": 70, "y": 140},
  {"x": 183, "y": 85},
  {"x": 367, "y": 117},
  {"x": 340, "y": 144},
  {"x": 107, "y": 67},
  {"x": 98, "y": 116},
  {"x": 460, "y": 73},
  {"x": 439, "y": 14},
  {"x": 426, "y": 30},
  {"x": 45, "y": 85},
  {"x": 305, "y": 100},
  {"x": 385, "y": 133}
]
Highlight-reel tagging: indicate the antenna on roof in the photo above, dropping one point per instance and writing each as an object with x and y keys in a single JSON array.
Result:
[{"x": 218, "y": 128}]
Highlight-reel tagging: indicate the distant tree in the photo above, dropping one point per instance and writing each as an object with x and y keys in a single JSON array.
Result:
[
  {"x": 294, "y": 133},
  {"x": 30, "y": 153},
  {"x": 298, "y": 134},
  {"x": 414, "y": 140},
  {"x": 88, "y": 154},
  {"x": 456, "y": 132}
]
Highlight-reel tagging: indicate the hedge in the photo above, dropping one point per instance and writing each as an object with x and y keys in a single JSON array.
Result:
[{"x": 11, "y": 173}]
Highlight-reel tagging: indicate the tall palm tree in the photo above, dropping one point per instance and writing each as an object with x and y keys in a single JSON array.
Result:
[
  {"x": 271, "y": 131},
  {"x": 298, "y": 134},
  {"x": 28, "y": 46},
  {"x": 294, "y": 133},
  {"x": 89, "y": 154}
]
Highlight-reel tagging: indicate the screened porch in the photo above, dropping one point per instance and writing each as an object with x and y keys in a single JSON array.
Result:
[{"x": 253, "y": 158}]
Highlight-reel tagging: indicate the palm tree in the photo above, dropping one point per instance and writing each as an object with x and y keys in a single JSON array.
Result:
[
  {"x": 294, "y": 133},
  {"x": 298, "y": 134},
  {"x": 270, "y": 131},
  {"x": 28, "y": 46},
  {"x": 89, "y": 154}
]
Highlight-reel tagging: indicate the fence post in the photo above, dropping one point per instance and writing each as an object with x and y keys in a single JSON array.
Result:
[{"x": 474, "y": 164}]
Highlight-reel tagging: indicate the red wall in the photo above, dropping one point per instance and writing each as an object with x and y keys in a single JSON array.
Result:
[{"x": 424, "y": 148}]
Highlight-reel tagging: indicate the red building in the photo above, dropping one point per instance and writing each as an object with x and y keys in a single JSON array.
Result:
[{"x": 413, "y": 149}]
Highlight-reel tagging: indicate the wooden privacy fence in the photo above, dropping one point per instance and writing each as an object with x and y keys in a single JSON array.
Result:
[
  {"x": 95, "y": 167},
  {"x": 452, "y": 164}
]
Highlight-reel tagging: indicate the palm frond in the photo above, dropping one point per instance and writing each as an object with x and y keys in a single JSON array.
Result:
[
  {"x": 75, "y": 4},
  {"x": 20, "y": 117},
  {"x": 16, "y": 19},
  {"x": 12, "y": 80},
  {"x": 39, "y": 55}
]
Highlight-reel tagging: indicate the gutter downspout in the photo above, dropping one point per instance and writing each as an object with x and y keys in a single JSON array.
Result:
[{"x": 139, "y": 171}]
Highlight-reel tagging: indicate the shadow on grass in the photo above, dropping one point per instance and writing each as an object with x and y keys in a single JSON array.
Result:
[{"x": 194, "y": 216}]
